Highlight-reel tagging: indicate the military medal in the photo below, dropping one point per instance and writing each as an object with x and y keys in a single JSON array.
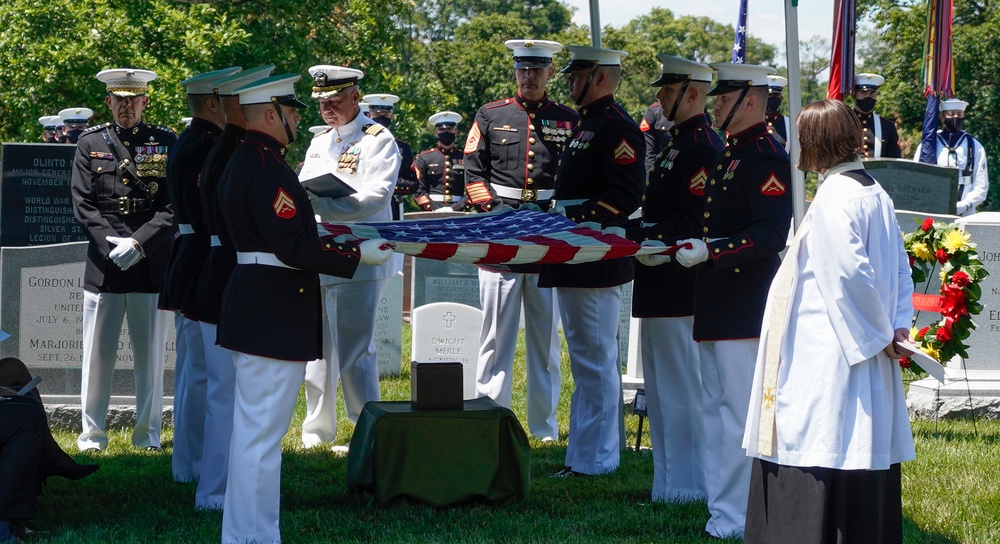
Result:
[{"x": 731, "y": 170}]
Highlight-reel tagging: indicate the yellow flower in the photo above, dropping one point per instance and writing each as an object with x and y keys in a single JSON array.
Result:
[
  {"x": 932, "y": 352},
  {"x": 943, "y": 274},
  {"x": 921, "y": 251},
  {"x": 956, "y": 240},
  {"x": 913, "y": 333}
]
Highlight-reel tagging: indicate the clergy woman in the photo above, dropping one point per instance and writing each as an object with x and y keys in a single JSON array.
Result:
[{"x": 827, "y": 423}]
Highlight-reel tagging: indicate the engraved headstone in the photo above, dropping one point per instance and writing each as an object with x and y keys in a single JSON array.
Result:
[
  {"x": 41, "y": 306},
  {"x": 984, "y": 341},
  {"x": 36, "y": 207},
  {"x": 389, "y": 328},
  {"x": 444, "y": 281},
  {"x": 916, "y": 186},
  {"x": 445, "y": 331}
]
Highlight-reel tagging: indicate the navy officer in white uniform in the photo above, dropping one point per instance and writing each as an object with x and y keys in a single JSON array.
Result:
[
  {"x": 271, "y": 309},
  {"x": 363, "y": 154},
  {"x": 956, "y": 147}
]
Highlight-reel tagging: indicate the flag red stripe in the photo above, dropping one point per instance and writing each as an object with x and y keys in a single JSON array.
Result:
[
  {"x": 559, "y": 251},
  {"x": 499, "y": 253},
  {"x": 439, "y": 251}
]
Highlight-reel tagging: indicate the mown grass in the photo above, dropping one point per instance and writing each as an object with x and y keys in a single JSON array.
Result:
[{"x": 951, "y": 494}]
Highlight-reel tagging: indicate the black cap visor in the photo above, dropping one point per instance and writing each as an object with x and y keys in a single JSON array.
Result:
[
  {"x": 289, "y": 100},
  {"x": 524, "y": 63},
  {"x": 577, "y": 65}
]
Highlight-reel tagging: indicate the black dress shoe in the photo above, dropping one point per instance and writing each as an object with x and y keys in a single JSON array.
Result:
[
  {"x": 563, "y": 472},
  {"x": 153, "y": 448},
  {"x": 71, "y": 472}
]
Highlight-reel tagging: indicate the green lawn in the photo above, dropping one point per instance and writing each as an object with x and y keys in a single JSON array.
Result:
[{"x": 951, "y": 494}]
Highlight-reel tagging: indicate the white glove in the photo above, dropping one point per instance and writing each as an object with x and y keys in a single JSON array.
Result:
[
  {"x": 561, "y": 210},
  {"x": 376, "y": 251},
  {"x": 690, "y": 257},
  {"x": 530, "y": 206},
  {"x": 126, "y": 252},
  {"x": 444, "y": 209},
  {"x": 313, "y": 199},
  {"x": 592, "y": 225},
  {"x": 653, "y": 260},
  {"x": 614, "y": 231}
]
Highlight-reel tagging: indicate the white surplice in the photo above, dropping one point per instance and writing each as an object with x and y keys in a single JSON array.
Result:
[{"x": 840, "y": 399}]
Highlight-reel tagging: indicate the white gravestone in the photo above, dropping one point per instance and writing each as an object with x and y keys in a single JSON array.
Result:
[
  {"x": 629, "y": 354},
  {"x": 389, "y": 328},
  {"x": 446, "y": 331},
  {"x": 978, "y": 384}
]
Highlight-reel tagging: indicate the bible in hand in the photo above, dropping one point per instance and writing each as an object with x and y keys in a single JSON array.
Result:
[{"x": 329, "y": 186}]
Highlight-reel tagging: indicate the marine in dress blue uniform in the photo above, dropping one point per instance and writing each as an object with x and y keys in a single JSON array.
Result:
[
  {"x": 777, "y": 123},
  {"x": 878, "y": 133},
  {"x": 48, "y": 123},
  {"x": 75, "y": 120},
  {"x": 381, "y": 109},
  {"x": 363, "y": 154},
  {"x": 190, "y": 248},
  {"x": 271, "y": 314},
  {"x": 655, "y": 128},
  {"x": 440, "y": 171},
  {"x": 120, "y": 199},
  {"x": 510, "y": 160},
  {"x": 748, "y": 210},
  {"x": 206, "y": 295},
  {"x": 663, "y": 291},
  {"x": 599, "y": 182}
]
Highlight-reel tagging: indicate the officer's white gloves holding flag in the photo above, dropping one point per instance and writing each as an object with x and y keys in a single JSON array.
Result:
[
  {"x": 126, "y": 253},
  {"x": 653, "y": 260},
  {"x": 376, "y": 251},
  {"x": 690, "y": 257}
]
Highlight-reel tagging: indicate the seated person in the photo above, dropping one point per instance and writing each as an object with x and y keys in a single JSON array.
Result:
[{"x": 28, "y": 452}]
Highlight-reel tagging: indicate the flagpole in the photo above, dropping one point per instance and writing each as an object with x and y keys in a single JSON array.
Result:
[
  {"x": 794, "y": 107},
  {"x": 595, "y": 23}
]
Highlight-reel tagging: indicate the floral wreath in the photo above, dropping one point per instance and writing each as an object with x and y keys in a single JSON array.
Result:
[{"x": 961, "y": 272}]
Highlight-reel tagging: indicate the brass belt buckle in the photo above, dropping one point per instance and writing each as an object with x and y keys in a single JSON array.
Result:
[
  {"x": 529, "y": 195},
  {"x": 125, "y": 205}
]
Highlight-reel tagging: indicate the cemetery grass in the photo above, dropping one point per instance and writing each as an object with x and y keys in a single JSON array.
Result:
[{"x": 951, "y": 494}]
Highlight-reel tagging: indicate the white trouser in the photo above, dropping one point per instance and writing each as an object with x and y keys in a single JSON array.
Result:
[
  {"x": 266, "y": 391},
  {"x": 103, "y": 314},
  {"x": 726, "y": 377},
  {"x": 189, "y": 400},
  {"x": 501, "y": 294},
  {"x": 349, "y": 311},
  {"x": 590, "y": 322},
  {"x": 672, "y": 377},
  {"x": 220, "y": 385}
]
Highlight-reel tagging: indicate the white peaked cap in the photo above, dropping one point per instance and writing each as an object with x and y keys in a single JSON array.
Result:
[
  {"x": 126, "y": 81},
  {"x": 777, "y": 83},
  {"x": 227, "y": 86},
  {"x": 205, "y": 83},
  {"x": 533, "y": 53},
  {"x": 76, "y": 115},
  {"x": 735, "y": 76},
  {"x": 445, "y": 117},
  {"x": 274, "y": 89},
  {"x": 380, "y": 101},
  {"x": 328, "y": 80},
  {"x": 868, "y": 81},
  {"x": 675, "y": 69},
  {"x": 586, "y": 57}
]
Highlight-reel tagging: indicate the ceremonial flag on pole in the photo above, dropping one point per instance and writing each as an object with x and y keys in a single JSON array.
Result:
[
  {"x": 938, "y": 72},
  {"x": 502, "y": 237},
  {"x": 740, "y": 43},
  {"x": 842, "y": 52}
]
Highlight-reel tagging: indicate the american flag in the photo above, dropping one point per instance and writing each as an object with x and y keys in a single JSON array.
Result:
[
  {"x": 842, "y": 53},
  {"x": 740, "y": 41},
  {"x": 500, "y": 237}
]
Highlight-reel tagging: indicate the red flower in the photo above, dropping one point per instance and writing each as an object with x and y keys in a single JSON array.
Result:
[
  {"x": 941, "y": 255},
  {"x": 904, "y": 362},
  {"x": 927, "y": 225},
  {"x": 960, "y": 279},
  {"x": 912, "y": 260},
  {"x": 954, "y": 302},
  {"x": 943, "y": 334},
  {"x": 922, "y": 332}
]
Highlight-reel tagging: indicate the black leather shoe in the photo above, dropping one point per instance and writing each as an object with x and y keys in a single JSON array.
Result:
[
  {"x": 153, "y": 448},
  {"x": 74, "y": 472},
  {"x": 563, "y": 472}
]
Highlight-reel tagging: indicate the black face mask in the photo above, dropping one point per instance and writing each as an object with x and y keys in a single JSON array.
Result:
[
  {"x": 865, "y": 104},
  {"x": 73, "y": 135},
  {"x": 953, "y": 124},
  {"x": 773, "y": 103},
  {"x": 382, "y": 120},
  {"x": 446, "y": 138}
]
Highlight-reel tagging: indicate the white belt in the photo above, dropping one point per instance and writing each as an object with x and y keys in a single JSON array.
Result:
[
  {"x": 215, "y": 241},
  {"x": 647, "y": 225},
  {"x": 440, "y": 198},
  {"x": 524, "y": 195},
  {"x": 569, "y": 202},
  {"x": 256, "y": 257},
  {"x": 185, "y": 228}
]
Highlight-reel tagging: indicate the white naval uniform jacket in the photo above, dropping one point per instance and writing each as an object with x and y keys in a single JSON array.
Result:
[
  {"x": 840, "y": 402},
  {"x": 373, "y": 175},
  {"x": 978, "y": 183}
]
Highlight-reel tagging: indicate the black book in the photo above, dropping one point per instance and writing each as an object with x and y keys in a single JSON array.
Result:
[{"x": 328, "y": 185}]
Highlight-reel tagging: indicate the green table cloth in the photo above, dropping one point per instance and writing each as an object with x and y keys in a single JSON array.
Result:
[{"x": 440, "y": 457}]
